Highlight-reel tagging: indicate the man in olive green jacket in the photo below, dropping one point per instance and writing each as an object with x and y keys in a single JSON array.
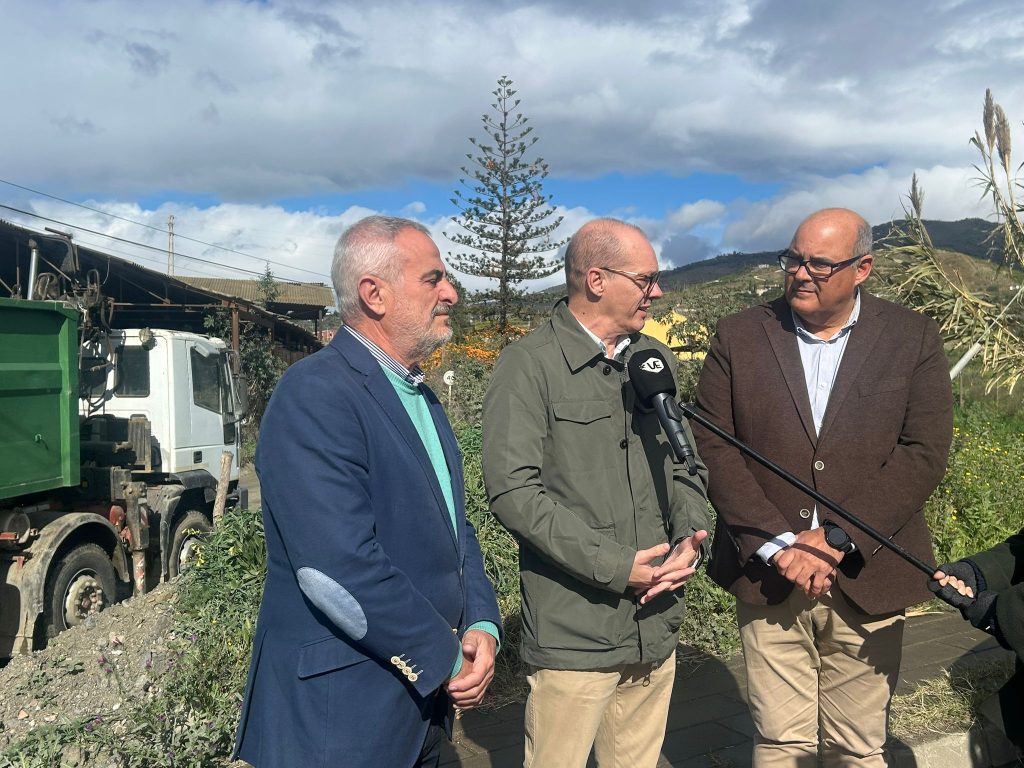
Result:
[{"x": 584, "y": 477}]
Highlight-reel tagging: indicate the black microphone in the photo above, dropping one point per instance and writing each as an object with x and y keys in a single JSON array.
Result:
[{"x": 656, "y": 389}]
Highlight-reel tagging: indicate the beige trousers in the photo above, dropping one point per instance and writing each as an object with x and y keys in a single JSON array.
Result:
[
  {"x": 621, "y": 713},
  {"x": 819, "y": 671}
]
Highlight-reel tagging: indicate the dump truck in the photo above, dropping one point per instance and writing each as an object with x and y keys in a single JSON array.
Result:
[{"x": 111, "y": 445}]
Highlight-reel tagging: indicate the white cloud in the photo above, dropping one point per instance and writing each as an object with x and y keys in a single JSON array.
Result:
[
  {"x": 694, "y": 214},
  {"x": 241, "y": 105},
  {"x": 257, "y": 101},
  {"x": 950, "y": 193}
]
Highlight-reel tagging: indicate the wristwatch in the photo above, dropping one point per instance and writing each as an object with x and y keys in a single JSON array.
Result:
[{"x": 837, "y": 538}]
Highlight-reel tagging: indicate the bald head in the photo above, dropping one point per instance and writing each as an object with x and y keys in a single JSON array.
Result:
[
  {"x": 840, "y": 225},
  {"x": 598, "y": 243}
]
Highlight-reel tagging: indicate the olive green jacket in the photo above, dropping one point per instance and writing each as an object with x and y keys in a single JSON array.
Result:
[{"x": 584, "y": 478}]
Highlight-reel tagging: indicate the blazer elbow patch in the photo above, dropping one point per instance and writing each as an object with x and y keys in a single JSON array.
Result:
[{"x": 334, "y": 600}]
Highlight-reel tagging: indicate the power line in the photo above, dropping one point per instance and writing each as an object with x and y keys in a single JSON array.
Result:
[
  {"x": 129, "y": 242},
  {"x": 158, "y": 229}
]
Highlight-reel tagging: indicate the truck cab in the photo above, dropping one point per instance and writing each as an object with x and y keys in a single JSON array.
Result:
[{"x": 182, "y": 383}]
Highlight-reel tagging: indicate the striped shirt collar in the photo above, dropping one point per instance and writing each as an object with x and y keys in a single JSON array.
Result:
[{"x": 413, "y": 376}]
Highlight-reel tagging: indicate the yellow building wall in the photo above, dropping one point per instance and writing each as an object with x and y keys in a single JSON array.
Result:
[{"x": 658, "y": 329}]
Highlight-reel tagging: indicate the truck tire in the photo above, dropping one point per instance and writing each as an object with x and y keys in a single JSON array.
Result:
[
  {"x": 82, "y": 584},
  {"x": 185, "y": 538}
]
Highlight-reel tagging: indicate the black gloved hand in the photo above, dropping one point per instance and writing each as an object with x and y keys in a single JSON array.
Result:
[
  {"x": 982, "y": 612},
  {"x": 964, "y": 571}
]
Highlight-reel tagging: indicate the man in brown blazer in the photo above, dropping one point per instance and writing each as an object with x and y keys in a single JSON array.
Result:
[{"x": 850, "y": 393}]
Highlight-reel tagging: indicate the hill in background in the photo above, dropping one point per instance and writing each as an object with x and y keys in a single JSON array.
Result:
[{"x": 967, "y": 236}]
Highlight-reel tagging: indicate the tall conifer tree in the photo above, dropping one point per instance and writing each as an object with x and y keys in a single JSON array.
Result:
[{"x": 507, "y": 219}]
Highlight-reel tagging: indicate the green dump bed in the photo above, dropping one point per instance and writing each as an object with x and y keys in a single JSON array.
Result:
[{"x": 38, "y": 396}]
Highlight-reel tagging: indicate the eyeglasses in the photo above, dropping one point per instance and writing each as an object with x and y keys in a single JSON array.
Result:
[
  {"x": 791, "y": 263},
  {"x": 645, "y": 281}
]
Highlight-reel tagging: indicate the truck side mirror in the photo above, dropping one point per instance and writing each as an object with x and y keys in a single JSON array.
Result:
[{"x": 241, "y": 387}]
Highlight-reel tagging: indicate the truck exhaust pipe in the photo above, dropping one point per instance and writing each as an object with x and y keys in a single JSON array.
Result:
[{"x": 33, "y": 270}]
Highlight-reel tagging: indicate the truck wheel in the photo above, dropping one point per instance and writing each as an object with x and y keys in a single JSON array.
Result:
[
  {"x": 185, "y": 540},
  {"x": 81, "y": 585}
]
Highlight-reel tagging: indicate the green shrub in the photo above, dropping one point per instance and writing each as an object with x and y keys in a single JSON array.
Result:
[
  {"x": 981, "y": 498},
  {"x": 472, "y": 367},
  {"x": 501, "y": 562},
  {"x": 192, "y": 721}
]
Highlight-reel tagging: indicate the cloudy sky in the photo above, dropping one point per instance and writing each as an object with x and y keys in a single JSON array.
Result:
[{"x": 265, "y": 128}]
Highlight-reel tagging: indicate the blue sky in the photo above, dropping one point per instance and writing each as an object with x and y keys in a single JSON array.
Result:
[{"x": 266, "y": 128}]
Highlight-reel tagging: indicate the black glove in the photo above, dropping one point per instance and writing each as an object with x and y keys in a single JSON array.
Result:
[
  {"x": 965, "y": 571},
  {"x": 982, "y": 612}
]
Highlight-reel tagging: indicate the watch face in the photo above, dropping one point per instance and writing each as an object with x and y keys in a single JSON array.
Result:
[{"x": 836, "y": 537}]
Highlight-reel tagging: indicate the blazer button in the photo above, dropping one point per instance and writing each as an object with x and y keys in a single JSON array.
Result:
[
  {"x": 623, "y": 443},
  {"x": 413, "y": 677},
  {"x": 606, "y": 370},
  {"x": 819, "y": 465},
  {"x": 396, "y": 661},
  {"x": 805, "y": 513}
]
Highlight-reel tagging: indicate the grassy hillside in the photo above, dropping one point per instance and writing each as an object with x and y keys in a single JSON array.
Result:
[{"x": 967, "y": 236}]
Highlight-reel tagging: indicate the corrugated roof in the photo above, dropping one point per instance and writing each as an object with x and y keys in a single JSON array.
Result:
[{"x": 308, "y": 294}]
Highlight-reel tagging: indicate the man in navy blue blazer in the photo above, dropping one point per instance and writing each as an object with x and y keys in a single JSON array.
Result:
[{"x": 377, "y": 616}]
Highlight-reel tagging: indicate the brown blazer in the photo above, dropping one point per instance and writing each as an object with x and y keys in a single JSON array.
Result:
[{"x": 881, "y": 452}]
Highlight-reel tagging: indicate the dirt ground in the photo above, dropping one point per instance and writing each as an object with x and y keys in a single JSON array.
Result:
[{"x": 92, "y": 669}]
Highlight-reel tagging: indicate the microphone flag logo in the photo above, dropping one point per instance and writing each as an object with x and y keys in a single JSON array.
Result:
[{"x": 652, "y": 365}]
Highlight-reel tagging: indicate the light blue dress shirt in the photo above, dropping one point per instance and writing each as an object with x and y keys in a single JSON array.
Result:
[{"x": 820, "y": 359}]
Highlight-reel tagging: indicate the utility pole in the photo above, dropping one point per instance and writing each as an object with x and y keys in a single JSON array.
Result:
[{"x": 170, "y": 244}]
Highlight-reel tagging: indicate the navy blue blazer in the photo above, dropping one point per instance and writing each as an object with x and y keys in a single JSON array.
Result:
[{"x": 355, "y": 516}]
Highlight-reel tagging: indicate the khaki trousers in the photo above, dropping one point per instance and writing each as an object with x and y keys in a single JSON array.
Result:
[
  {"x": 621, "y": 713},
  {"x": 819, "y": 671}
]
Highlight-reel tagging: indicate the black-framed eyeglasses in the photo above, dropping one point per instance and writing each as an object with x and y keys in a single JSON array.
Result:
[
  {"x": 645, "y": 281},
  {"x": 791, "y": 263}
]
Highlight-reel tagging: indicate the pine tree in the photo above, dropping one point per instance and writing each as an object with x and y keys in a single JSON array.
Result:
[
  {"x": 267, "y": 288},
  {"x": 507, "y": 219}
]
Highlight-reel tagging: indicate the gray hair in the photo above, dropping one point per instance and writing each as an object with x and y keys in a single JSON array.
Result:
[
  {"x": 598, "y": 243},
  {"x": 865, "y": 239},
  {"x": 366, "y": 248}
]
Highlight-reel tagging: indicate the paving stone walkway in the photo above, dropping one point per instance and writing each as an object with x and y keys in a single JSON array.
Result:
[{"x": 709, "y": 726}]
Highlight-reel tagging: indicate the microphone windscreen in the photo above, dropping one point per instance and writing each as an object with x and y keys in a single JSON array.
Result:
[{"x": 650, "y": 375}]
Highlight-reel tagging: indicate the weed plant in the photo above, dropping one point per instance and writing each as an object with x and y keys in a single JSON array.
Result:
[
  {"x": 981, "y": 498},
  {"x": 192, "y": 720},
  {"x": 501, "y": 562}
]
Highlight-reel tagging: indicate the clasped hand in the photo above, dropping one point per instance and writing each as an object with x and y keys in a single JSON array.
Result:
[
  {"x": 467, "y": 688},
  {"x": 649, "y": 580},
  {"x": 809, "y": 562}
]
